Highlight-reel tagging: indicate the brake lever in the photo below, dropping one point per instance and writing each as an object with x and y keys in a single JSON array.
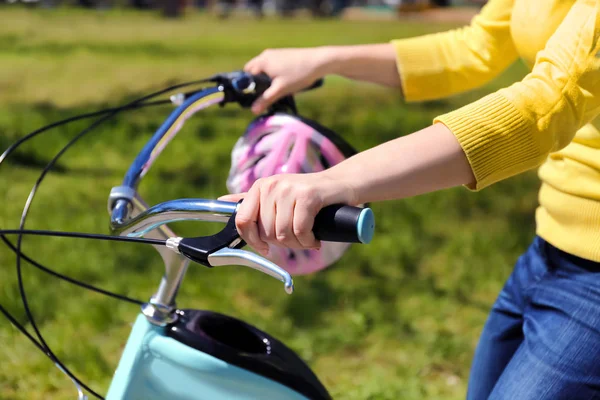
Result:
[
  {"x": 224, "y": 248},
  {"x": 198, "y": 249},
  {"x": 227, "y": 256}
]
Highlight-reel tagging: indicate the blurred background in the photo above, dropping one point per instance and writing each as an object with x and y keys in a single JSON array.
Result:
[
  {"x": 396, "y": 319},
  {"x": 280, "y": 7}
]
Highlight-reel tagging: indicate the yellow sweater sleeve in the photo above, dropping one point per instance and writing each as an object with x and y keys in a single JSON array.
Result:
[
  {"x": 515, "y": 128},
  {"x": 442, "y": 64}
]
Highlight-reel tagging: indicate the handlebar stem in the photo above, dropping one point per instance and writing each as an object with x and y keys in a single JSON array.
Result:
[{"x": 161, "y": 308}]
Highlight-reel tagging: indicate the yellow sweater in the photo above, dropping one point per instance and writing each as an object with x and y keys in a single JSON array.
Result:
[{"x": 547, "y": 120}]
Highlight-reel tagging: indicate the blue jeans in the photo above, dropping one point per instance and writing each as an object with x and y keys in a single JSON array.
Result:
[{"x": 542, "y": 338}]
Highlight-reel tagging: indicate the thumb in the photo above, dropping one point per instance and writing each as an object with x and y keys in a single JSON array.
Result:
[
  {"x": 234, "y": 198},
  {"x": 271, "y": 95}
]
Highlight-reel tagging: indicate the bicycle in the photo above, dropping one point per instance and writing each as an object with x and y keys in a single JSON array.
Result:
[{"x": 175, "y": 353}]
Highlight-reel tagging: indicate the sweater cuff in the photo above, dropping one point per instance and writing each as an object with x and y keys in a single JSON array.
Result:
[
  {"x": 496, "y": 139},
  {"x": 419, "y": 67}
]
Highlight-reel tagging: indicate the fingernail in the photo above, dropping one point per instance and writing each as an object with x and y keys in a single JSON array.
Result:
[{"x": 264, "y": 252}]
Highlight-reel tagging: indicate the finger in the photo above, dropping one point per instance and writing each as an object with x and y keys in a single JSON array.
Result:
[
  {"x": 284, "y": 224},
  {"x": 267, "y": 213},
  {"x": 253, "y": 67},
  {"x": 272, "y": 94},
  {"x": 303, "y": 223},
  {"x": 246, "y": 220},
  {"x": 233, "y": 197}
]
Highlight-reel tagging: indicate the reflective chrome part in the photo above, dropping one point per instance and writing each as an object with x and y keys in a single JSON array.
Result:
[
  {"x": 80, "y": 394},
  {"x": 174, "y": 211},
  {"x": 120, "y": 193},
  {"x": 175, "y": 264},
  {"x": 122, "y": 210},
  {"x": 250, "y": 88},
  {"x": 159, "y": 314},
  {"x": 173, "y": 244},
  {"x": 235, "y": 243},
  {"x": 227, "y": 256},
  {"x": 177, "y": 99}
]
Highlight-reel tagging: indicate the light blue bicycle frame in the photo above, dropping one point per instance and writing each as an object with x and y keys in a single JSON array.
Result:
[{"x": 156, "y": 367}]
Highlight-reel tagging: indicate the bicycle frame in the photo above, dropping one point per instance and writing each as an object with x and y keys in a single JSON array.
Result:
[
  {"x": 159, "y": 361},
  {"x": 155, "y": 366}
]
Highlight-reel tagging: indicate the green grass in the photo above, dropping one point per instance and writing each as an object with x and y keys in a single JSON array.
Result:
[{"x": 396, "y": 319}]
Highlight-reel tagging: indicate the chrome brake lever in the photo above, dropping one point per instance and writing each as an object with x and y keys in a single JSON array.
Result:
[
  {"x": 228, "y": 256},
  {"x": 224, "y": 248}
]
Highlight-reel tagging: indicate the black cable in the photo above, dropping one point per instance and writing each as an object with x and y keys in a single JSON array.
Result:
[
  {"x": 9, "y": 244},
  {"x": 98, "y": 113},
  {"x": 21, "y": 328},
  {"x": 4, "y": 232},
  {"x": 12, "y": 148},
  {"x": 79, "y": 235},
  {"x": 68, "y": 278},
  {"x": 30, "y": 136},
  {"x": 28, "y": 203}
]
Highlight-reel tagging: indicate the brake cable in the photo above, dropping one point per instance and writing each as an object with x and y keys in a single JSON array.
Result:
[
  {"x": 13, "y": 147},
  {"x": 105, "y": 116},
  {"x": 20, "y": 327}
]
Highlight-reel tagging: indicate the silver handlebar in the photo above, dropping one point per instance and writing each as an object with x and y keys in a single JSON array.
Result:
[
  {"x": 151, "y": 220},
  {"x": 174, "y": 211}
]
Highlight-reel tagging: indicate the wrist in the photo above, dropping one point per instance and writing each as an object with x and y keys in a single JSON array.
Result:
[
  {"x": 336, "y": 188},
  {"x": 330, "y": 60}
]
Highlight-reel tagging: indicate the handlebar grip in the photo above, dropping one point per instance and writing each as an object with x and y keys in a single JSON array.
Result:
[
  {"x": 341, "y": 223},
  {"x": 316, "y": 84},
  {"x": 263, "y": 81}
]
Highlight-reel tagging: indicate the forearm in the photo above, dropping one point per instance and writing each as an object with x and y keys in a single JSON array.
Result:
[
  {"x": 375, "y": 63},
  {"x": 426, "y": 161}
]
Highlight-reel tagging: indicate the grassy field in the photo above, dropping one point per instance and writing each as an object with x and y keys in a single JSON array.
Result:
[{"x": 396, "y": 319}]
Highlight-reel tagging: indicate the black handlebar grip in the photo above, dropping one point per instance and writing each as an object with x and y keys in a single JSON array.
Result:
[
  {"x": 340, "y": 223},
  {"x": 316, "y": 84},
  {"x": 263, "y": 81}
]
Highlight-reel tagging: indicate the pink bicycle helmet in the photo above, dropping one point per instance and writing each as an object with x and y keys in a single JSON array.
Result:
[{"x": 284, "y": 143}]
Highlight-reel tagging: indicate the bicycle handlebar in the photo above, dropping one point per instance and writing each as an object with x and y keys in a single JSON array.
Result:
[
  {"x": 335, "y": 223},
  {"x": 244, "y": 88},
  {"x": 130, "y": 216},
  {"x": 258, "y": 84}
]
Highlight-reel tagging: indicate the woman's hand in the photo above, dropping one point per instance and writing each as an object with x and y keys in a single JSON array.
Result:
[
  {"x": 281, "y": 209},
  {"x": 291, "y": 71},
  {"x": 298, "y": 68}
]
